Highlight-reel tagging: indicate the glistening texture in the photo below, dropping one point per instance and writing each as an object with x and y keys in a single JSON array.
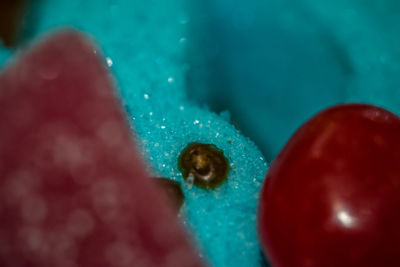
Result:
[
  {"x": 73, "y": 189},
  {"x": 332, "y": 195},
  {"x": 144, "y": 44}
]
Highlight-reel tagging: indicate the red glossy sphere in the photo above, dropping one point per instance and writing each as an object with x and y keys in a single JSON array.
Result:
[{"x": 332, "y": 196}]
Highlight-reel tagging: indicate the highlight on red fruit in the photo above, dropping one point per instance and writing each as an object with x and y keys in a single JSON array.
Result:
[{"x": 332, "y": 196}]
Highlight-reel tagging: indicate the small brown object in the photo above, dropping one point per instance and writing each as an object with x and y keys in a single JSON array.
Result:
[
  {"x": 172, "y": 190},
  {"x": 206, "y": 163},
  {"x": 11, "y": 13}
]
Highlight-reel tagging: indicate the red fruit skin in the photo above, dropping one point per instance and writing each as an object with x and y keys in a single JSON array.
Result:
[
  {"x": 74, "y": 191},
  {"x": 332, "y": 196}
]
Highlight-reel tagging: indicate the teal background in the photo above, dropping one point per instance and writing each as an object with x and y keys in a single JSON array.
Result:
[{"x": 276, "y": 63}]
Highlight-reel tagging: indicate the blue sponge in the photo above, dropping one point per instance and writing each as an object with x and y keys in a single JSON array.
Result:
[
  {"x": 273, "y": 64},
  {"x": 4, "y": 55},
  {"x": 144, "y": 43}
]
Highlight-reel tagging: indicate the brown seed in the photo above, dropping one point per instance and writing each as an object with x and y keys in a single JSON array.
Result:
[
  {"x": 172, "y": 190},
  {"x": 206, "y": 163}
]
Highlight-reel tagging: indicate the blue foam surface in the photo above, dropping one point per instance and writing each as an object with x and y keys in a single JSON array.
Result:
[
  {"x": 272, "y": 64},
  {"x": 144, "y": 45}
]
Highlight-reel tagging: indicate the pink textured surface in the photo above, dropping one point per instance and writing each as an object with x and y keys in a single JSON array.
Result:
[{"x": 73, "y": 190}]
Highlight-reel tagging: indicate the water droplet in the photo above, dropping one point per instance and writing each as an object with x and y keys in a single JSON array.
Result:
[
  {"x": 189, "y": 181},
  {"x": 109, "y": 62}
]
